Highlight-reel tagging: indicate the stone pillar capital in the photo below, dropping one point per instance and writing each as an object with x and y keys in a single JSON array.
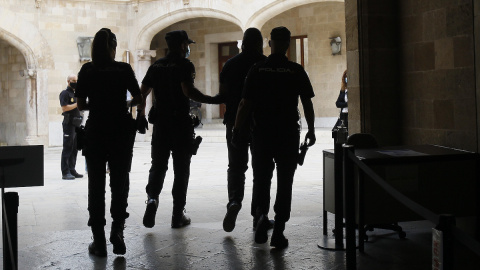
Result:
[
  {"x": 28, "y": 73},
  {"x": 145, "y": 55},
  {"x": 135, "y": 4}
]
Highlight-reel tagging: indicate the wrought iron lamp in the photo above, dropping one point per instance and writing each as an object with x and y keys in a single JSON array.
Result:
[
  {"x": 84, "y": 45},
  {"x": 336, "y": 44}
]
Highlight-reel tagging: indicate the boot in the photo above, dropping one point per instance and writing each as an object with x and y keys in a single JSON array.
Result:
[
  {"x": 150, "y": 212},
  {"x": 99, "y": 245},
  {"x": 278, "y": 239},
  {"x": 261, "y": 235},
  {"x": 116, "y": 238},
  {"x": 180, "y": 220},
  {"x": 231, "y": 216}
]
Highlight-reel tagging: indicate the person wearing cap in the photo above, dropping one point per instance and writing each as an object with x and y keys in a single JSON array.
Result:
[
  {"x": 109, "y": 137},
  {"x": 271, "y": 92},
  {"x": 232, "y": 78},
  {"x": 172, "y": 81}
]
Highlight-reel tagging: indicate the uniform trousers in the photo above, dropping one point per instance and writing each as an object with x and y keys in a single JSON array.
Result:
[
  {"x": 177, "y": 141},
  {"x": 115, "y": 146},
  {"x": 237, "y": 166},
  {"x": 69, "y": 151},
  {"x": 270, "y": 150}
]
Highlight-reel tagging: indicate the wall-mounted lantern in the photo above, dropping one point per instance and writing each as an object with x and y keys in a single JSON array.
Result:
[
  {"x": 336, "y": 44},
  {"x": 84, "y": 45}
]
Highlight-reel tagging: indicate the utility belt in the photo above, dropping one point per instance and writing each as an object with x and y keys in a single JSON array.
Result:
[
  {"x": 76, "y": 121},
  {"x": 155, "y": 116}
]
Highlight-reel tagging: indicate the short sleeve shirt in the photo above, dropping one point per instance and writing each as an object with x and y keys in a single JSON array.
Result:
[
  {"x": 233, "y": 76},
  {"x": 106, "y": 89},
  {"x": 67, "y": 97},
  {"x": 274, "y": 86},
  {"x": 165, "y": 77}
]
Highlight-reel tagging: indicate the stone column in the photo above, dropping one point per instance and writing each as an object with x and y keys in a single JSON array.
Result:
[
  {"x": 42, "y": 106},
  {"x": 31, "y": 107},
  {"x": 143, "y": 60}
]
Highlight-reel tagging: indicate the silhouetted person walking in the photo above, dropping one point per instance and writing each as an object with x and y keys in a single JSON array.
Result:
[
  {"x": 172, "y": 81},
  {"x": 110, "y": 133},
  {"x": 271, "y": 93},
  {"x": 71, "y": 119},
  {"x": 232, "y": 78}
]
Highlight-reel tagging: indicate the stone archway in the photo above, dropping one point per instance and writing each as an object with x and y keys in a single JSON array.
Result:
[
  {"x": 150, "y": 29},
  {"x": 143, "y": 54},
  {"x": 38, "y": 60},
  {"x": 259, "y": 18}
]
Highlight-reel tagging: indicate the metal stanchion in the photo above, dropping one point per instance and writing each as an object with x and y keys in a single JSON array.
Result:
[
  {"x": 442, "y": 243},
  {"x": 349, "y": 187},
  {"x": 339, "y": 134},
  {"x": 10, "y": 205}
]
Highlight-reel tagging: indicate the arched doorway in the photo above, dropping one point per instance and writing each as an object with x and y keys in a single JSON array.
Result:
[
  {"x": 208, "y": 34},
  {"x": 12, "y": 95},
  {"x": 31, "y": 59}
]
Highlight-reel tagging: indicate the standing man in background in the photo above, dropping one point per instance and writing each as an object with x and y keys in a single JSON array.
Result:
[{"x": 71, "y": 119}]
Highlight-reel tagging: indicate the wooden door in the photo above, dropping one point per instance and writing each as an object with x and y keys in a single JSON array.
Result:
[{"x": 225, "y": 52}]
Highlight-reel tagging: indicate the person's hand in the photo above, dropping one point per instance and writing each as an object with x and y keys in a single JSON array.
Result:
[
  {"x": 142, "y": 124},
  {"x": 310, "y": 137}
]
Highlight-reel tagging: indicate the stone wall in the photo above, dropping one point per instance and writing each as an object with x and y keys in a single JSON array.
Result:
[
  {"x": 438, "y": 73},
  {"x": 61, "y": 22},
  {"x": 12, "y": 95}
]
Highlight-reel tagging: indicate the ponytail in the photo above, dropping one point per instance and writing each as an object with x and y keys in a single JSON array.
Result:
[{"x": 103, "y": 43}]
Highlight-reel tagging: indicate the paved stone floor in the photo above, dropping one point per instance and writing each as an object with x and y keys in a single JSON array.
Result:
[{"x": 53, "y": 232}]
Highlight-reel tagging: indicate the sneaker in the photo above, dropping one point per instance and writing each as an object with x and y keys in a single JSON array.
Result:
[
  {"x": 261, "y": 235},
  {"x": 278, "y": 240},
  {"x": 231, "y": 216},
  {"x": 180, "y": 220},
  {"x": 150, "y": 212},
  {"x": 76, "y": 175},
  {"x": 68, "y": 176}
]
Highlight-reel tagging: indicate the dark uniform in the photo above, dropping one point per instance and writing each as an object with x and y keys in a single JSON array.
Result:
[
  {"x": 233, "y": 77},
  {"x": 69, "y": 152},
  {"x": 110, "y": 133},
  {"x": 342, "y": 103},
  {"x": 172, "y": 130},
  {"x": 274, "y": 86}
]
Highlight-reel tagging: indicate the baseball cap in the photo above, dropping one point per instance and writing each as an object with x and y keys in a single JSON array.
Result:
[
  {"x": 179, "y": 35},
  {"x": 280, "y": 33}
]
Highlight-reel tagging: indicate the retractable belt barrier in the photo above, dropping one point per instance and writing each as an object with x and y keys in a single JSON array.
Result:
[{"x": 351, "y": 159}]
